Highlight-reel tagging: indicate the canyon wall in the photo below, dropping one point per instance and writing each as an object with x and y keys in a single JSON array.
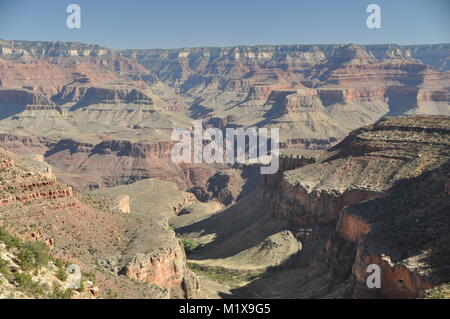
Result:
[
  {"x": 165, "y": 268},
  {"x": 362, "y": 199},
  {"x": 87, "y": 229}
]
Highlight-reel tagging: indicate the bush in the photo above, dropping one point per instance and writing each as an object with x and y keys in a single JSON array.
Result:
[
  {"x": 439, "y": 292},
  {"x": 62, "y": 274},
  {"x": 82, "y": 287},
  {"x": 111, "y": 294},
  {"x": 90, "y": 276},
  {"x": 8, "y": 239},
  {"x": 58, "y": 262},
  {"x": 4, "y": 268},
  {"x": 58, "y": 293},
  {"x": 190, "y": 244},
  {"x": 26, "y": 284},
  {"x": 33, "y": 255}
]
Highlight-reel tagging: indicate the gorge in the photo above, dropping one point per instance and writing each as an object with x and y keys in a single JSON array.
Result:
[{"x": 85, "y": 148}]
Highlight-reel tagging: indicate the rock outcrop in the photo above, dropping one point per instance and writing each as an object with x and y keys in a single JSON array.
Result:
[
  {"x": 85, "y": 96},
  {"x": 405, "y": 232},
  {"x": 165, "y": 268},
  {"x": 123, "y": 203},
  {"x": 371, "y": 197},
  {"x": 363, "y": 166},
  {"x": 87, "y": 230},
  {"x": 21, "y": 185},
  {"x": 155, "y": 255}
]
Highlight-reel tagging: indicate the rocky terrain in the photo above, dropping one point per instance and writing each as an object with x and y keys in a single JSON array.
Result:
[
  {"x": 54, "y": 91},
  {"x": 86, "y": 167},
  {"x": 316, "y": 93},
  {"x": 378, "y": 197},
  {"x": 28, "y": 271},
  {"x": 105, "y": 236}
]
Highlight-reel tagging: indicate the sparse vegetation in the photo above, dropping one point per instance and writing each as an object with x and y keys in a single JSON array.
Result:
[
  {"x": 32, "y": 258},
  {"x": 58, "y": 293},
  {"x": 82, "y": 287},
  {"x": 62, "y": 274},
  {"x": 111, "y": 294},
  {"x": 9, "y": 240},
  {"x": 231, "y": 278},
  {"x": 439, "y": 292},
  {"x": 89, "y": 276},
  {"x": 58, "y": 262},
  {"x": 4, "y": 268},
  {"x": 33, "y": 255},
  {"x": 190, "y": 244},
  {"x": 25, "y": 283}
]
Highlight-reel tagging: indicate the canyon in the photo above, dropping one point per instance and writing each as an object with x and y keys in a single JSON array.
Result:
[
  {"x": 85, "y": 145},
  {"x": 357, "y": 204}
]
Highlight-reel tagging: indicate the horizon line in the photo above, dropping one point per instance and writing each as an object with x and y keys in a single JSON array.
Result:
[{"x": 234, "y": 46}]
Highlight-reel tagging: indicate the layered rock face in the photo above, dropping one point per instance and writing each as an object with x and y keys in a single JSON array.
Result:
[
  {"x": 239, "y": 60},
  {"x": 20, "y": 185},
  {"x": 405, "y": 233},
  {"x": 111, "y": 162},
  {"x": 95, "y": 92},
  {"x": 97, "y": 95},
  {"x": 381, "y": 163},
  {"x": 22, "y": 145},
  {"x": 102, "y": 117},
  {"x": 155, "y": 255},
  {"x": 364, "y": 165},
  {"x": 314, "y": 94},
  {"x": 262, "y": 69},
  {"x": 53, "y": 49},
  {"x": 115, "y": 162},
  {"x": 88, "y": 230},
  {"x": 165, "y": 268},
  {"x": 25, "y": 99}
]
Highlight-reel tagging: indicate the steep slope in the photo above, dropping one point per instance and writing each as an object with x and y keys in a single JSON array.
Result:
[
  {"x": 62, "y": 90},
  {"x": 93, "y": 232},
  {"x": 363, "y": 202},
  {"x": 316, "y": 94},
  {"x": 364, "y": 165},
  {"x": 406, "y": 232},
  {"x": 28, "y": 271},
  {"x": 155, "y": 255}
]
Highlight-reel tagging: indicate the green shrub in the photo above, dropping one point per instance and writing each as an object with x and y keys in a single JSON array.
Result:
[
  {"x": 190, "y": 244},
  {"x": 111, "y": 294},
  {"x": 26, "y": 284},
  {"x": 439, "y": 292},
  {"x": 33, "y": 255},
  {"x": 8, "y": 239},
  {"x": 58, "y": 262},
  {"x": 4, "y": 268},
  {"x": 82, "y": 287},
  {"x": 62, "y": 274},
  {"x": 58, "y": 293},
  {"x": 89, "y": 276}
]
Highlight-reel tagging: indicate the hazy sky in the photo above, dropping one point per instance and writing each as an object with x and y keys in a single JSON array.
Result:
[{"x": 192, "y": 23}]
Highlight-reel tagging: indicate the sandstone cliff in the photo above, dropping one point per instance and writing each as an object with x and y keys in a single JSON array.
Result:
[
  {"x": 316, "y": 94},
  {"x": 405, "y": 232},
  {"x": 391, "y": 164},
  {"x": 89, "y": 230}
]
